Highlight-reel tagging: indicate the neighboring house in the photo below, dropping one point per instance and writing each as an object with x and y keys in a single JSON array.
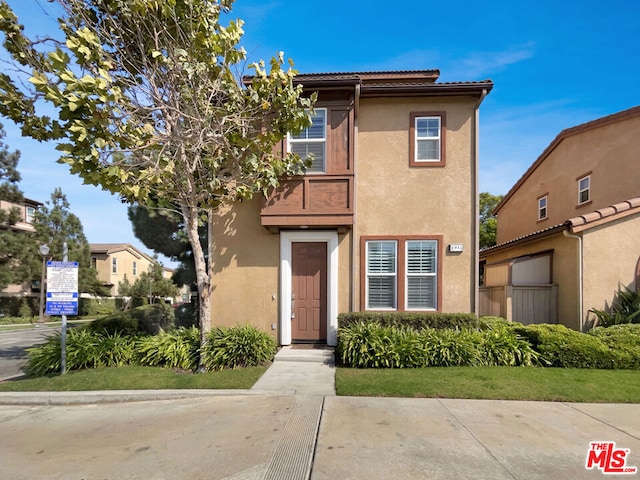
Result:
[
  {"x": 117, "y": 261},
  {"x": 569, "y": 229},
  {"x": 385, "y": 219},
  {"x": 27, "y": 209}
]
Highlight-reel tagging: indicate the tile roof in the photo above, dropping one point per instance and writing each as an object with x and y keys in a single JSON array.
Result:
[
  {"x": 604, "y": 215},
  {"x": 580, "y": 223}
]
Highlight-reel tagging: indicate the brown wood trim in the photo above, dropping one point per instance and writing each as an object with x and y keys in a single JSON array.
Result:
[
  {"x": 443, "y": 139},
  {"x": 400, "y": 269},
  {"x": 580, "y": 177}
]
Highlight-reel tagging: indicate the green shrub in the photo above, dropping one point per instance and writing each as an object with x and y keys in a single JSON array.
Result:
[
  {"x": 560, "y": 346},
  {"x": 416, "y": 321},
  {"x": 625, "y": 309},
  {"x": 372, "y": 345},
  {"x": 96, "y": 307},
  {"x": 238, "y": 347},
  {"x": 448, "y": 348},
  {"x": 175, "y": 349},
  {"x": 187, "y": 315},
  {"x": 84, "y": 350},
  {"x": 624, "y": 342},
  {"x": 146, "y": 320},
  {"x": 501, "y": 346},
  {"x": 14, "y": 306}
]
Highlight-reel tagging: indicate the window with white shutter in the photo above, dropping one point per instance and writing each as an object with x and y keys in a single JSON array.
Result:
[
  {"x": 421, "y": 271},
  {"x": 381, "y": 275}
]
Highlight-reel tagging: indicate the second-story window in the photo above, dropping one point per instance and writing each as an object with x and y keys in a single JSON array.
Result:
[
  {"x": 427, "y": 132},
  {"x": 114, "y": 265},
  {"x": 584, "y": 189},
  {"x": 30, "y": 214},
  {"x": 134, "y": 267},
  {"x": 542, "y": 208},
  {"x": 312, "y": 142}
]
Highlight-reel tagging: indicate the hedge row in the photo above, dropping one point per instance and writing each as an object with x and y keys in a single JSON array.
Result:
[
  {"x": 145, "y": 320},
  {"x": 371, "y": 345},
  {"x": 416, "y": 321},
  {"x": 494, "y": 342},
  {"x": 13, "y": 306},
  {"x": 226, "y": 348}
]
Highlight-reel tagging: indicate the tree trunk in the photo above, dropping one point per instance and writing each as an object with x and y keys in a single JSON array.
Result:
[{"x": 203, "y": 279}]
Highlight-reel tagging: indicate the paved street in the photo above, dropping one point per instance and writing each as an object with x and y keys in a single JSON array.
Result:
[{"x": 13, "y": 345}]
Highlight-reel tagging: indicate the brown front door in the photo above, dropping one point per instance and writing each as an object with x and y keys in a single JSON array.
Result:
[{"x": 309, "y": 292}]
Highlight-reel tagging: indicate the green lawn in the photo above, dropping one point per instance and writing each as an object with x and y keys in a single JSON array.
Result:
[
  {"x": 507, "y": 383},
  {"x": 136, "y": 378}
]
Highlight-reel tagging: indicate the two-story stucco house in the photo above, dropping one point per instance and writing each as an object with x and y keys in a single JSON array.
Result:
[
  {"x": 116, "y": 261},
  {"x": 385, "y": 219},
  {"x": 569, "y": 229}
]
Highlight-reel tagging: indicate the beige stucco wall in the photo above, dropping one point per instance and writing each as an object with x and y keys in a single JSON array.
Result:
[
  {"x": 246, "y": 278},
  {"x": 609, "y": 152},
  {"x": 611, "y": 255},
  {"x": 394, "y": 199},
  {"x": 125, "y": 260},
  {"x": 564, "y": 267}
]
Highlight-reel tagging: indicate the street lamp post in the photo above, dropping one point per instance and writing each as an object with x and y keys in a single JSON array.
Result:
[{"x": 44, "y": 251}]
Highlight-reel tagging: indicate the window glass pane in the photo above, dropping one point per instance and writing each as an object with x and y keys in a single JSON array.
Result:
[
  {"x": 428, "y": 150},
  {"x": 421, "y": 257},
  {"x": 421, "y": 293},
  {"x": 427, "y": 127},
  {"x": 584, "y": 196},
  {"x": 316, "y": 130},
  {"x": 584, "y": 183},
  {"x": 381, "y": 293},
  {"x": 381, "y": 257}
]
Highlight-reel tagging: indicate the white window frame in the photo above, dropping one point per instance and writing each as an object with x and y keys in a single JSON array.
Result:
[
  {"x": 292, "y": 141},
  {"x": 29, "y": 214},
  {"x": 394, "y": 274},
  {"x": 114, "y": 265},
  {"x": 587, "y": 189},
  {"x": 417, "y": 139},
  {"x": 408, "y": 275},
  {"x": 542, "y": 208}
]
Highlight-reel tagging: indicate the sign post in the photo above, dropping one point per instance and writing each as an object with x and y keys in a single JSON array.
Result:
[{"x": 62, "y": 296}]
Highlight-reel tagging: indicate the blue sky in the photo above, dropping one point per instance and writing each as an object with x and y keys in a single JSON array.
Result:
[{"x": 555, "y": 64}]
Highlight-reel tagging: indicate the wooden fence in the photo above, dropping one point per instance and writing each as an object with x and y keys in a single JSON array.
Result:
[{"x": 524, "y": 304}]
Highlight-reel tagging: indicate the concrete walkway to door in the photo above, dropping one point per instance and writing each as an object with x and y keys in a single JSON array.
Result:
[{"x": 301, "y": 370}]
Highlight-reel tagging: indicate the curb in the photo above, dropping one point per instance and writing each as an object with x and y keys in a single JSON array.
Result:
[{"x": 114, "y": 396}]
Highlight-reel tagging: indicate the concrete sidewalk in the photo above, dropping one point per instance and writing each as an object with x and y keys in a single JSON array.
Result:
[
  {"x": 249, "y": 436},
  {"x": 291, "y": 426}
]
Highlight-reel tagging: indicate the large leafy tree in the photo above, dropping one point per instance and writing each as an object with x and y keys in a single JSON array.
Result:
[
  {"x": 149, "y": 104},
  {"x": 488, "y": 221},
  {"x": 55, "y": 225},
  {"x": 18, "y": 258}
]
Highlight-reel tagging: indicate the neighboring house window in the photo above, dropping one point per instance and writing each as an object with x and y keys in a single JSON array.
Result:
[
  {"x": 421, "y": 263},
  {"x": 542, "y": 208},
  {"x": 30, "y": 214},
  {"x": 135, "y": 268},
  {"x": 114, "y": 265},
  {"x": 427, "y": 139},
  {"x": 401, "y": 273},
  {"x": 312, "y": 141},
  {"x": 584, "y": 189},
  {"x": 94, "y": 262},
  {"x": 381, "y": 275}
]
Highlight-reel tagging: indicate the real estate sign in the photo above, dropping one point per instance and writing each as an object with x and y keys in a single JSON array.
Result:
[{"x": 62, "y": 288}]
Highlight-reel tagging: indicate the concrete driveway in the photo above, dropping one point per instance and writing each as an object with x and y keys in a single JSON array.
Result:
[{"x": 249, "y": 435}]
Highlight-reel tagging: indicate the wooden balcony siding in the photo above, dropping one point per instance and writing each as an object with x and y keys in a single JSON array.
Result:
[{"x": 314, "y": 200}]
